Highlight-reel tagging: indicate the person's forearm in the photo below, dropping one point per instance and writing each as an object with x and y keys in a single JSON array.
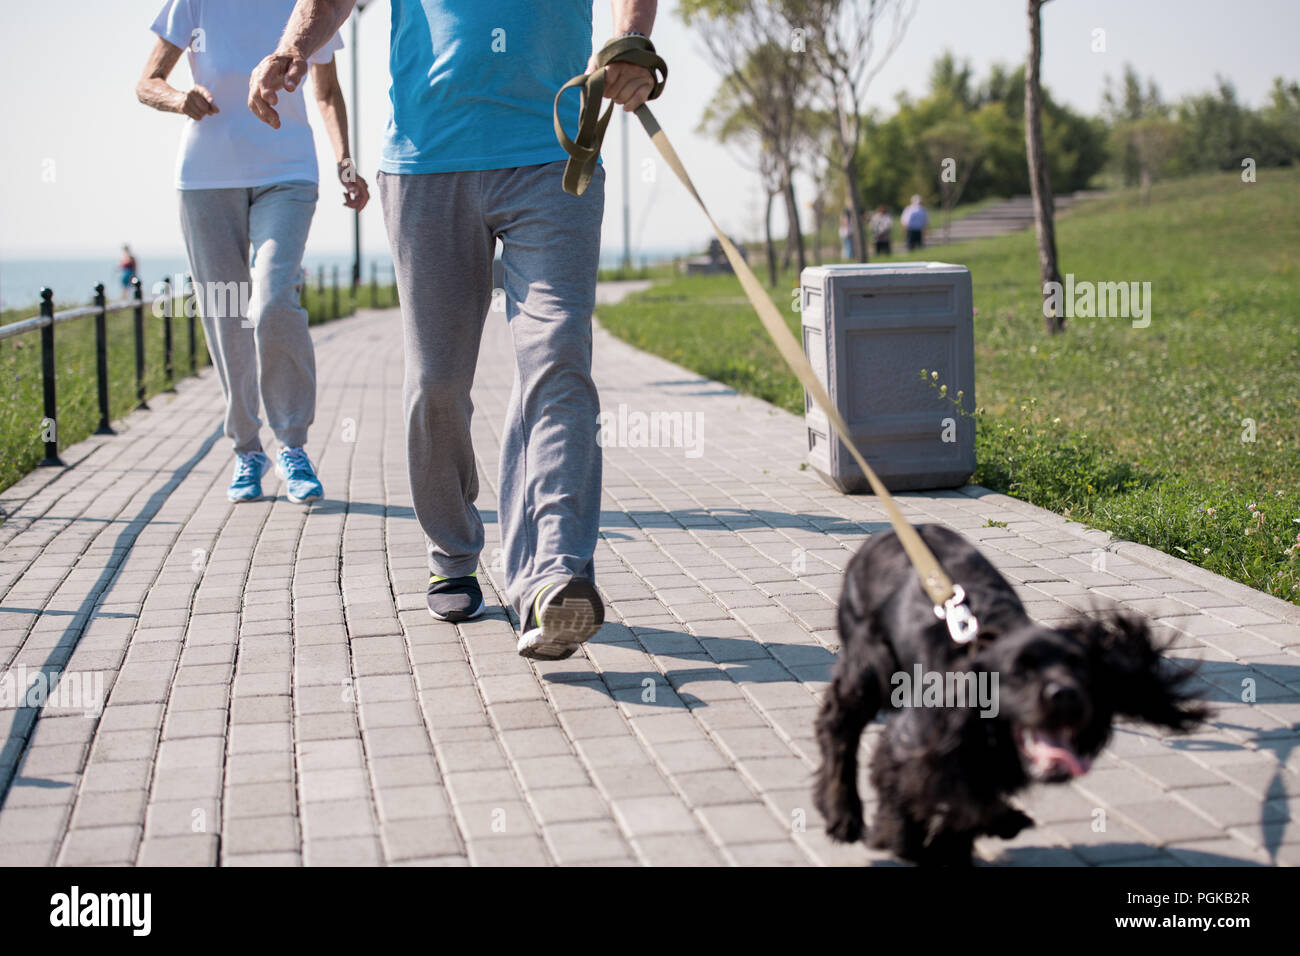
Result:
[
  {"x": 159, "y": 94},
  {"x": 311, "y": 25},
  {"x": 334, "y": 111},
  {"x": 634, "y": 16}
]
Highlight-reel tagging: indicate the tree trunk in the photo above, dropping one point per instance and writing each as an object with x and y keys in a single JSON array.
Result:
[
  {"x": 817, "y": 236},
  {"x": 787, "y": 251},
  {"x": 850, "y": 170},
  {"x": 771, "y": 246},
  {"x": 1040, "y": 183},
  {"x": 849, "y": 167},
  {"x": 794, "y": 236}
]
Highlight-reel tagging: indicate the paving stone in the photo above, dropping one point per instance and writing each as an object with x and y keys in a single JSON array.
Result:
[
  {"x": 397, "y": 742},
  {"x": 712, "y": 787},
  {"x": 242, "y": 769},
  {"x": 1167, "y": 821},
  {"x": 406, "y": 803},
  {"x": 420, "y": 838},
  {"x": 588, "y": 841},
  {"x": 1224, "y": 851},
  {"x": 334, "y": 819},
  {"x": 743, "y": 823},
  {"x": 568, "y": 804},
  {"x": 119, "y": 808},
  {"x": 495, "y": 820},
  {"x": 117, "y": 775},
  {"x": 198, "y": 849},
  {"x": 32, "y": 824},
  {"x": 277, "y": 798},
  {"x": 515, "y": 851},
  {"x": 539, "y": 773},
  {"x": 590, "y": 724},
  {"x": 1229, "y": 805},
  {"x": 679, "y": 849},
  {"x": 102, "y": 846},
  {"x": 776, "y": 853},
  {"x": 646, "y": 816},
  {"x": 1118, "y": 787},
  {"x": 260, "y": 835},
  {"x": 337, "y": 784},
  {"x": 182, "y": 817},
  {"x": 536, "y": 742}
]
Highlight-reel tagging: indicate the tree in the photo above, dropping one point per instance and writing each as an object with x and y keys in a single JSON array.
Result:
[
  {"x": 948, "y": 76},
  {"x": 900, "y": 154},
  {"x": 1144, "y": 139},
  {"x": 815, "y": 156},
  {"x": 1155, "y": 140},
  {"x": 1122, "y": 106},
  {"x": 849, "y": 41},
  {"x": 1040, "y": 182},
  {"x": 1283, "y": 116},
  {"x": 955, "y": 148},
  {"x": 740, "y": 119},
  {"x": 765, "y": 90}
]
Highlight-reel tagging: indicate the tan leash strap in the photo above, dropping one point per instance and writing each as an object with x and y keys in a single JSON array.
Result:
[{"x": 948, "y": 599}]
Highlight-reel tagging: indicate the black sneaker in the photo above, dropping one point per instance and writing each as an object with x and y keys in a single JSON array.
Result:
[
  {"x": 562, "y": 616},
  {"x": 455, "y": 599}
]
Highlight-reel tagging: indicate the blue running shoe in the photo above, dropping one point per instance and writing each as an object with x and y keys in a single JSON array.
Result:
[
  {"x": 247, "y": 483},
  {"x": 300, "y": 481}
]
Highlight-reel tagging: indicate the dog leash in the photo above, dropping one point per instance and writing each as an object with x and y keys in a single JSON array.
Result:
[{"x": 949, "y": 599}]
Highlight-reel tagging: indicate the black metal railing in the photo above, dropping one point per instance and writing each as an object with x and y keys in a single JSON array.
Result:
[
  {"x": 164, "y": 305},
  {"x": 100, "y": 309}
]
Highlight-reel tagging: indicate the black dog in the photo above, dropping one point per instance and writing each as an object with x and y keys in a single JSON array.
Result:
[{"x": 942, "y": 773}]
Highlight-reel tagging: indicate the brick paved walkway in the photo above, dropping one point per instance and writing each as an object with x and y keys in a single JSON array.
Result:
[{"x": 277, "y": 694}]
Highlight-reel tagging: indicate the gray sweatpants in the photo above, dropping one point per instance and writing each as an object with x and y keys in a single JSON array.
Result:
[
  {"x": 443, "y": 229},
  {"x": 256, "y": 330}
]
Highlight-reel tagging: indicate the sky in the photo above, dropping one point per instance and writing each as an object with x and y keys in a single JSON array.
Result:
[{"x": 86, "y": 167}]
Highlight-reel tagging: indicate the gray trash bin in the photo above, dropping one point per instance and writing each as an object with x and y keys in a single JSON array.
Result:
[{"x": 868, "y": 331}]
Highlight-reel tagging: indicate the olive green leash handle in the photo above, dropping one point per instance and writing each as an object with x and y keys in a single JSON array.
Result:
[
  {"x": 949, "y": 600},
  {"x": 585, "y": 150}
]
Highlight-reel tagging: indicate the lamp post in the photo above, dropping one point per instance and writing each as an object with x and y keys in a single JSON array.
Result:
[
  {"x": 627, "y": 220},
  {"x": 356, "y": 143}
]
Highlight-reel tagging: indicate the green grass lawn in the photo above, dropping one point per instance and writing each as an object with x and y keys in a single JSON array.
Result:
[
  {"x": 21, "y": 403},
  {"x": 1135, "y": 430}
]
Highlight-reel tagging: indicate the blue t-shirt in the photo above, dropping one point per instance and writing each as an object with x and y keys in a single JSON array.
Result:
[{"x": 474, "y": 83}]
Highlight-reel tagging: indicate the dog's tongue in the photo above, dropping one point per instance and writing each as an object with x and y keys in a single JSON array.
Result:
[{"x": 1047, "y": 754}]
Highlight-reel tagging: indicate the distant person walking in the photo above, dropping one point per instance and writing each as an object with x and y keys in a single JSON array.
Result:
[
  {"x": 882, "y": 230},
  {"x": 846, "y": 234},
  {"x": 915, "y": 221},
  {"x": 127, "y": 265},
  {"x": 245, "y": 184}
]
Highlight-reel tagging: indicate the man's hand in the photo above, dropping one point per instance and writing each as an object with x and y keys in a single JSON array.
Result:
[
  {"x": 355, "y": 191},
  {"x": 626, "y": 83},
  {"x": 279, "y": 71},
  {"x": 197, "y": 103}
]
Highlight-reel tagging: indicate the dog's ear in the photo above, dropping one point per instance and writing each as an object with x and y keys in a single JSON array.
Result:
[{"x": 1133, "y": 671}]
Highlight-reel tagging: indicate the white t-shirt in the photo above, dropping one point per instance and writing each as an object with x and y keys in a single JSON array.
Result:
[{"x": 224, "y": 40}]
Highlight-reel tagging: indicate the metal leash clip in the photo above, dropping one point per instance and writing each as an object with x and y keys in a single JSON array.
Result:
[{"x": 962, "y": 625}]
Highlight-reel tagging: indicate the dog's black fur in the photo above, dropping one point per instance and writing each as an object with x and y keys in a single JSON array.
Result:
[{"x": 942, "y": 774}]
